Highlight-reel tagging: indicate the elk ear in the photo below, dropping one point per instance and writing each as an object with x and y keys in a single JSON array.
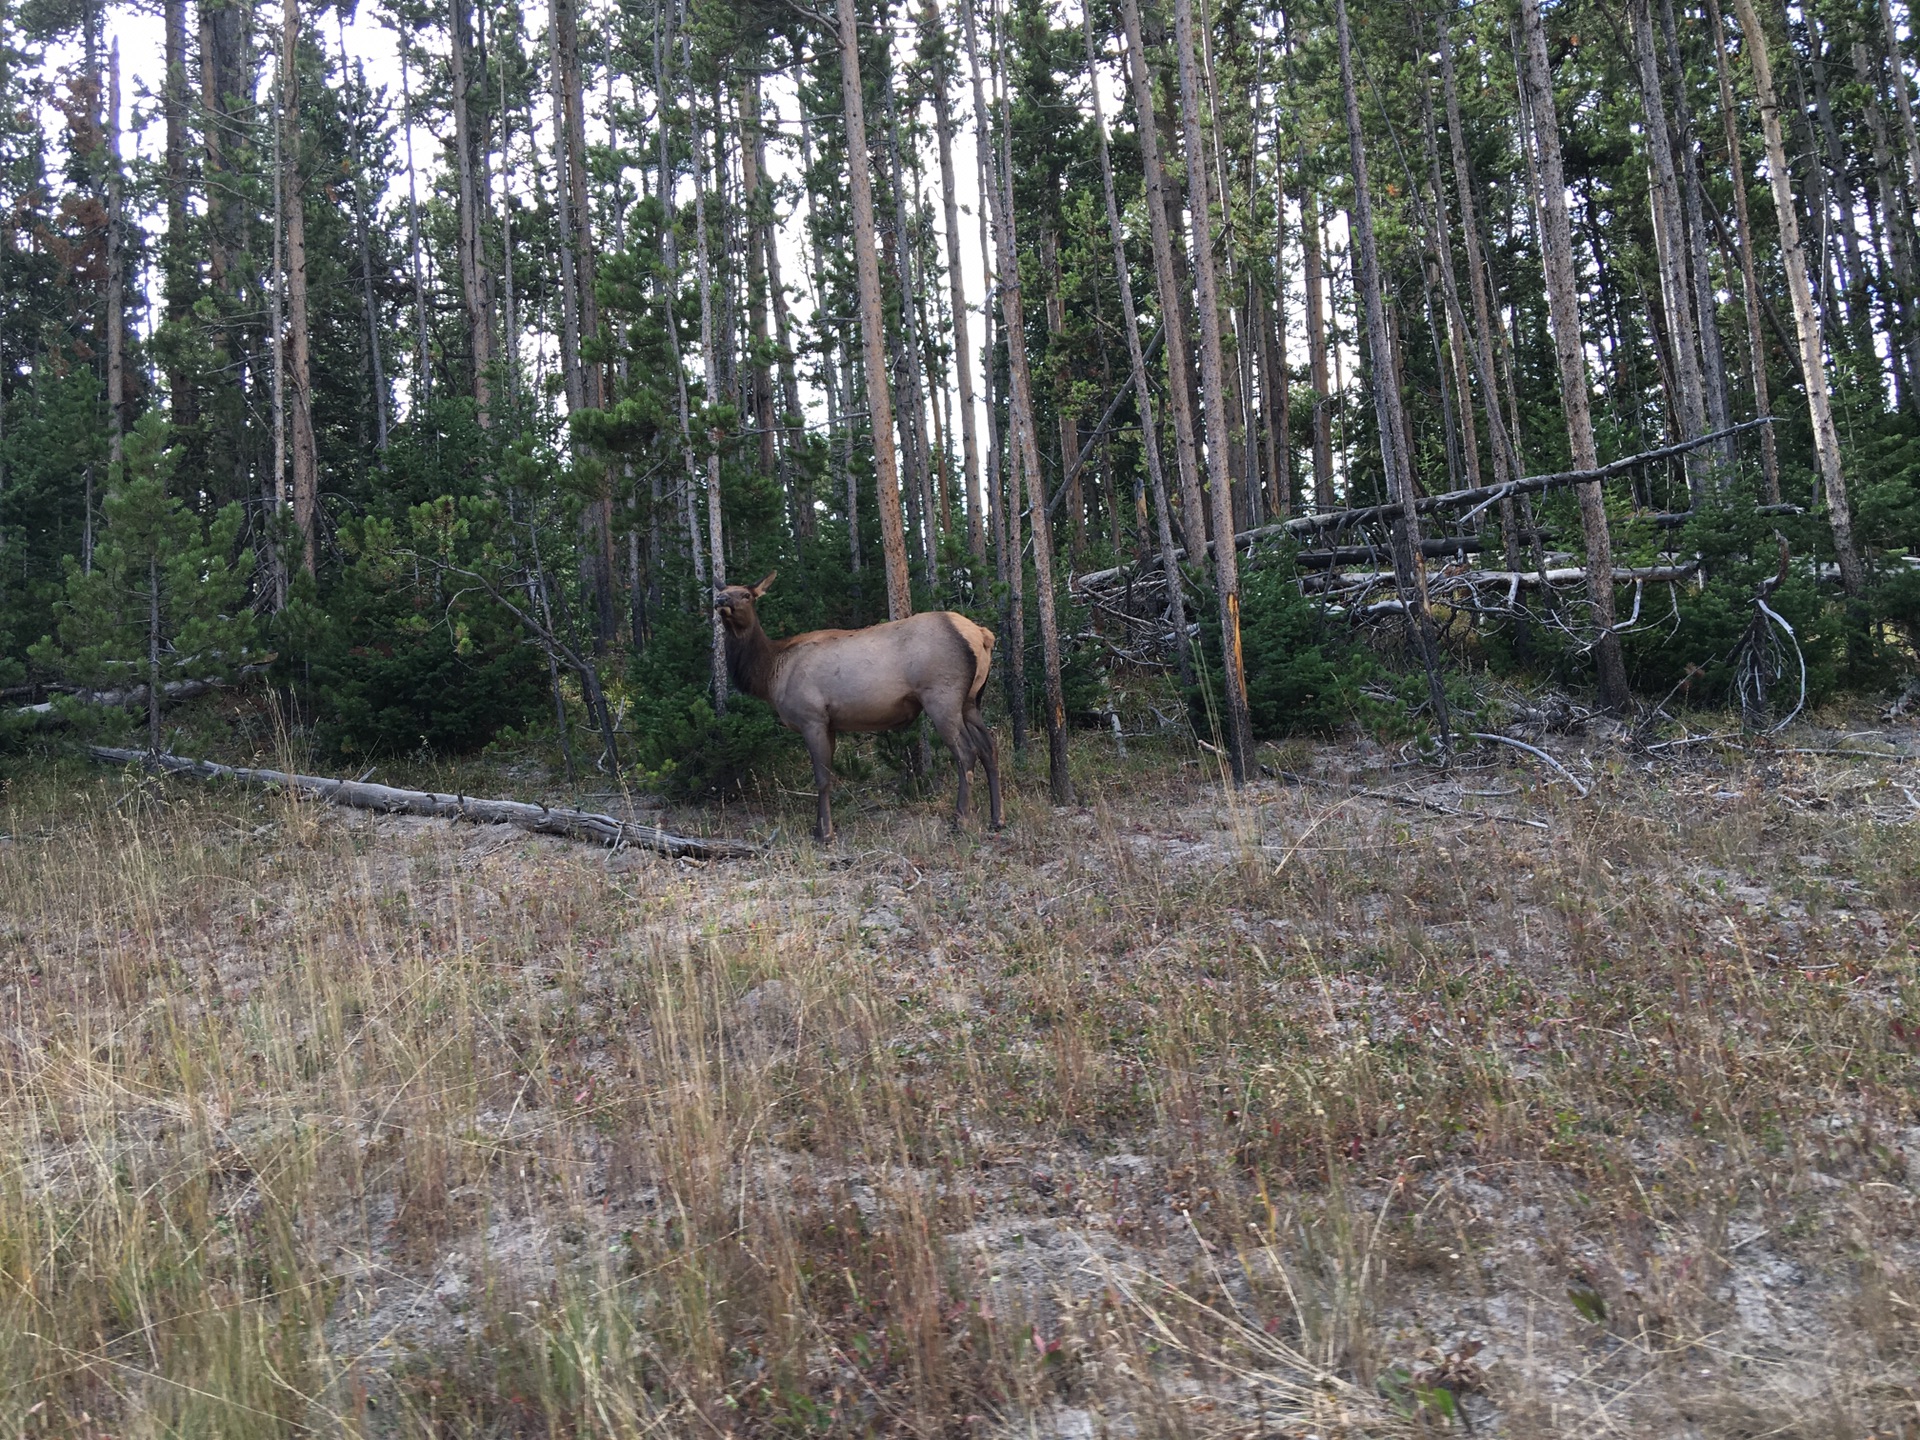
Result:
[{"x": 758, "y": 590}]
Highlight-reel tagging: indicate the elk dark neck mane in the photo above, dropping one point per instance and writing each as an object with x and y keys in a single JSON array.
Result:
[{"x": 750, "y": 660}]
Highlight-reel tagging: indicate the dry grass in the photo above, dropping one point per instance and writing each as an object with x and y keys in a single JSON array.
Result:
[{"x": 1171, "y": 1116}]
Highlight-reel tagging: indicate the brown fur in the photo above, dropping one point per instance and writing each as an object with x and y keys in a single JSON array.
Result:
[{"x": 828, "y": 683}]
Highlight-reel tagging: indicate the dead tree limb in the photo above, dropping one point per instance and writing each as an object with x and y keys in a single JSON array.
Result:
[
  {"x": 1478, "y": 496},
  {"x": 1412, "y": 802},
  {"x": 573, "y": 824}
]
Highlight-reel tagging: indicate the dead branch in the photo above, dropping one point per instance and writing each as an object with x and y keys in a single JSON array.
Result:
[
  {"x": 1477, "y": 496},
  {"x": 387, "y": 799},
  {"x": 1413, "y": 802},
  {"x": 1533, "y": 750}
]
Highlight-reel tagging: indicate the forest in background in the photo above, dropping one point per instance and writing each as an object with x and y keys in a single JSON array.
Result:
[{"x": 452, "y": 441}]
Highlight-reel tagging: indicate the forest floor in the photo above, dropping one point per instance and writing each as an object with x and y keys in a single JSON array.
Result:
[{"x": 1178, "y": 1112}]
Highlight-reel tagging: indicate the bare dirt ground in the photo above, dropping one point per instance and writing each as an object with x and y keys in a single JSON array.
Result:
[{"x": 1294, "y": 1112}]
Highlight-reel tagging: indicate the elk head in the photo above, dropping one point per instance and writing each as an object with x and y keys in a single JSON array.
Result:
[{"x": 735, "y": 604}]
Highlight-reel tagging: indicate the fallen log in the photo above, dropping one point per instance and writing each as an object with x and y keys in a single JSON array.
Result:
[
  {"x": 359, "y": 795},
  {"x": 47, "y": 712}
]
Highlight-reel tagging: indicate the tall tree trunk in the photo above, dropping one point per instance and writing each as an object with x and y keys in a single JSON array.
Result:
[
  {"x": 306, "y": 478},
  {"x": 575, "y": 217},
  {"x": 759, "y": 371},
  {"x": 936, "y": 39},
  {"x": 1409, "y": 566},
  {"x": 1713, "y": 364},
  {"x": 116, "y": 271},
  {"x": 1002, "y": 478},
  {"x": 376, "y": 370},
  {"x": 423, "y": 360},
  {"x": 1902, "y": 100},
  {"x": 472, "y": 205},
  {"x": 179, "y": 264},
  {"x": 1315, "y": 279},
  {"x": 274, "y": 485},
  {"x": 716, "y": 436},
  {"x": 1026, "y": 442},
  {"x": 1749, "y": 280},
  {"x": 1813, "y": 363},
  {"x": 1903, "y": 337},
  {"x": 1226, "y": 560},
  {"x": 1840, "y": 184},
  {"x": 914, "y": 433},
  {"x": 1142, "y": 386},
  {"x": 873, "y": 317},
  {"x": 1193, "y": 525},
  {"x": 1669, "y": 239},
  {"x": 1065, "y": 414},
  {"x": 1563, "y": 312},
  {"x": 690, "y": 486},
  {"x": 793, "y": 421}
]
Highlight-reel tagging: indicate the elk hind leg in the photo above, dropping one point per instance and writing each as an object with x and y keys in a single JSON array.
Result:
[
  {"x": 953, "y": 728},
  {"x": 820, "y": 750},
  {"x": 988, "y": 750}
]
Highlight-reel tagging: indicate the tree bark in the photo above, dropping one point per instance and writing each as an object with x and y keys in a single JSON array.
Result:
[
  {"x": 1903, "y": 336},
  {"x": 1315, "y": 267},
  {"x": 1142, "y": 388},
  {"x": 1408, "y": 564},
  {"x": 306, "y": 480},
  {"x": 472, "y": 205},
  {"x": 423, "y": 361},
  {"x": 586, "y": 379},
  {"x": 1226, "y": 564},
  {"x": 1003, "y": 483},
  {"x": 376, "y": 369},
  {"x": 1749, "y": 280},
  {"x": 1065, "y": 415},
  {"x": 1669, "y": 239},
  {"x": 178, "y": 262},
  {"x": 1026, "y": 442},
  {"x": 116, "y": 316},
  {"x": 1193, "y": 525},
  {"x": 703, "y": 270},
  {"x": 938, "y": 41},
  {"x": 358, "y": 794},
  {"x": 1902, "y": 100},
  {"x": 914, "y": 432},
  {"x": 1563, "y": 313},
  {"x": 1813, "y": 364},
  {"x": 873, "y": 318},
  {"x": 1713, "y": 364}
]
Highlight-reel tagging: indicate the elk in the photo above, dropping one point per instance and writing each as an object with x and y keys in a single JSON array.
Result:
[{"x": 828, "y": 683}]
